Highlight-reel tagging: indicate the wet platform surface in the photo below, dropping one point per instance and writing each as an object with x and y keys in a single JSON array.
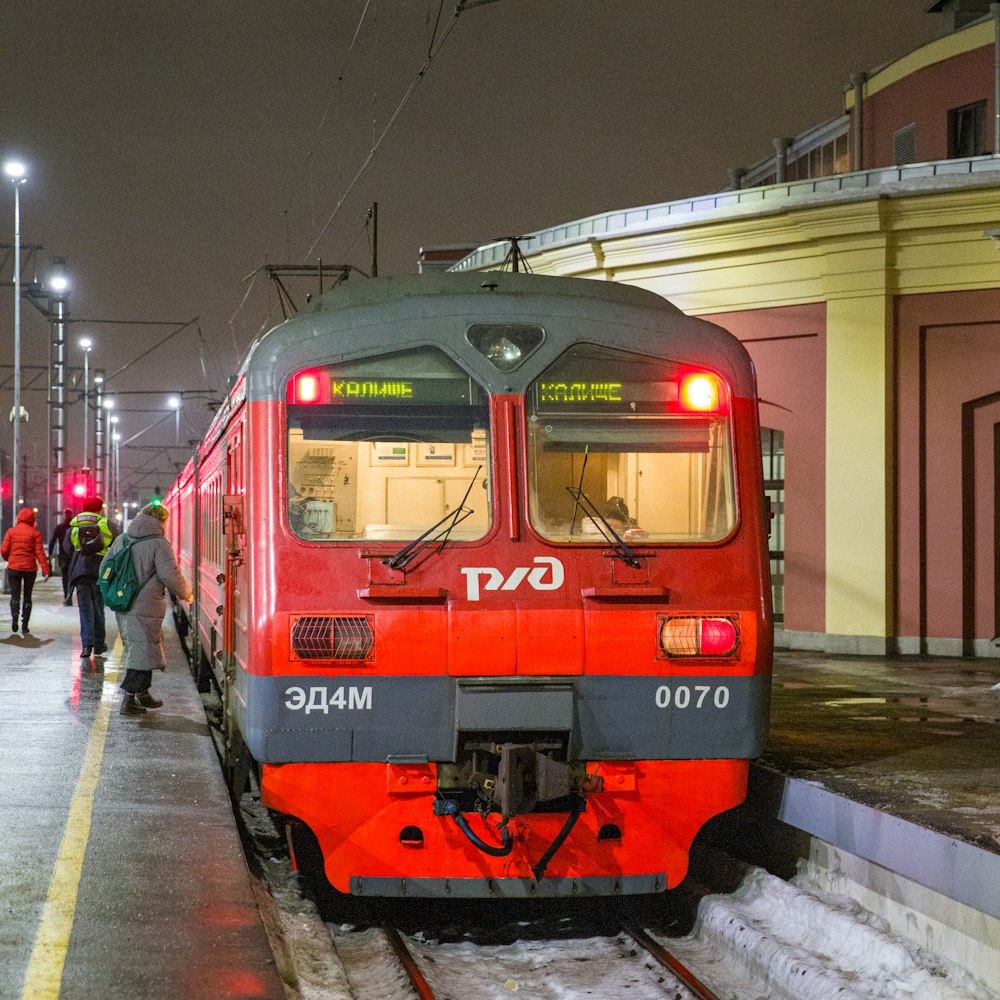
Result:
[
  {"x": 916, "y": 738},
  {"x": 121, "y": 870}
]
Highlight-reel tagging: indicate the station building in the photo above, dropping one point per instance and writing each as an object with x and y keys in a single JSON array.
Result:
[{"x": 860, "y": 265}]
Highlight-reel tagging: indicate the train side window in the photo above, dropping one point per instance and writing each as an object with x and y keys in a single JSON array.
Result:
[
  {"x": 384, "y": 447},
  {"x": 211, "y": 520},
  {"x": 641, "y": 443}
]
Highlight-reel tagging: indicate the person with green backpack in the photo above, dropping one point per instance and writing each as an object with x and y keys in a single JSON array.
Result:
[
  {"x": 86, "y": 543},
  {"x": 137, "y": 594}
]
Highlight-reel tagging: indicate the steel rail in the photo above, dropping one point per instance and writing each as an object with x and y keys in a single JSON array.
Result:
[
  {"x": 690, "y": 980},
  {"x": 409, "y": 964}
]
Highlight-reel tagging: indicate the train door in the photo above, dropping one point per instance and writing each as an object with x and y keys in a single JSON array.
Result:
[
  {"x": 234, "y": 630},
  {"x": 235, "y": 600}
]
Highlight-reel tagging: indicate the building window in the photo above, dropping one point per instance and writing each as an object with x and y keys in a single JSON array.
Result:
[
  {"x": 772, "y": 446},
  {"x": 966, "y": 130},
  {"x": 904, "y": 145}
]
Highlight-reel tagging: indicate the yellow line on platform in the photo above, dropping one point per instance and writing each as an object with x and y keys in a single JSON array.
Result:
[{"x": 43, "y": 978}]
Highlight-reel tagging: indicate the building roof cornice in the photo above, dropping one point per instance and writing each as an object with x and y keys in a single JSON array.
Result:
[{"x": 973, "y": 36}]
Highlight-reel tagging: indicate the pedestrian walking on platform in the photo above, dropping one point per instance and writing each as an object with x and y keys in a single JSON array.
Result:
[
  {"x": 141, "y": 627},
  {"x": 86, "y": 543},
  {"x": 56, "y": 552},
  {"x": 24, "y": 549}
]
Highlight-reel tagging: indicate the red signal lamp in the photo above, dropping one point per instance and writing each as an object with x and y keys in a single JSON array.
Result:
[
  {"x": 700, "y": 392},
  {"x": 305, "y": 388},
  {"x": 697, "y": 635}
]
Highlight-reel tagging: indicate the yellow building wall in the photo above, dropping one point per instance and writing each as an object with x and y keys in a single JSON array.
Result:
[{"x": 856, "y": 255}]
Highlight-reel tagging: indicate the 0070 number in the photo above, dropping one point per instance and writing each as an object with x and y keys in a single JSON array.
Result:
[{"x": 698, "y": 696}]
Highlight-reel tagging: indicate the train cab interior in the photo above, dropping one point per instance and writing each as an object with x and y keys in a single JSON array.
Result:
[{"x": 387, "y": 448}]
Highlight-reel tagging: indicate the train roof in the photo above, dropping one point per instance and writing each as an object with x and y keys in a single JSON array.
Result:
[
  {"x": 447, "y": 284},
  {"x": 381, "y": 315}
]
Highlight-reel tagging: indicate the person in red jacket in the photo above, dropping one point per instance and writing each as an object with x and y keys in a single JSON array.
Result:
[{"x": 24, "y": 549}]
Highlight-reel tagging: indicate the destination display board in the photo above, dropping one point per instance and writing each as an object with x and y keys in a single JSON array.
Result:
[{"x": 319, "y": 388}]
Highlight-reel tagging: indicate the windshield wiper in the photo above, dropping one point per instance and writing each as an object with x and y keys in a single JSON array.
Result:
[
  {"x": 603, "y": 526},
  {"x": 446, "y": 524}
]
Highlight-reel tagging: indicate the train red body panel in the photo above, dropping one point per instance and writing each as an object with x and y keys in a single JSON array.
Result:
[{"x": 482, "y": 579}]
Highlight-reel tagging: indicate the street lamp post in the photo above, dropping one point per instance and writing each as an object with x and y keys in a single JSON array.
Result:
[
  {"x": 116, "y": 474},
  {"x": 58, "y": 290},
  {"x": 114, "y": 438},
  {"x": 98, "y": 442},
  {"x": 87, "y": 344},
  {"x": 16, "y": 171},
  {"x": 109, "y": 469}
]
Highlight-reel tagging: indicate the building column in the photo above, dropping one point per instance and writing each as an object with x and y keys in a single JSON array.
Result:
[{"x": 860, "y": 499}]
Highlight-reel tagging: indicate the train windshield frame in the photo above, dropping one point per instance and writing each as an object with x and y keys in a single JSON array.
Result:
[
  {"x": 385, "y": 447},
  {"x": 639, "y": 444}
]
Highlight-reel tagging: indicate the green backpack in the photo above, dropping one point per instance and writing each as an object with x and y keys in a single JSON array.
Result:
[{"x": 118, "y": 581}]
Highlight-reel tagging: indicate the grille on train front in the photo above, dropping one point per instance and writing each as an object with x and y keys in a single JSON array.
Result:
[{"x": 325, "y": 637}]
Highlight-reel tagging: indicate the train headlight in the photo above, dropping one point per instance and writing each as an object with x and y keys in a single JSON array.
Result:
[
  {"x": 504, "y": 345},
  {"x": 698, "y": 635}
]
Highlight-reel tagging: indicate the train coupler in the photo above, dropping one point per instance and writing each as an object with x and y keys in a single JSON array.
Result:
[{"x": 526, "y": 777}]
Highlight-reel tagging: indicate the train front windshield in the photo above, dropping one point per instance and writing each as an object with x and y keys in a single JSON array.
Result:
[
  {"x": 630, "y": 444},
  {"x": 387, "y": 447}
]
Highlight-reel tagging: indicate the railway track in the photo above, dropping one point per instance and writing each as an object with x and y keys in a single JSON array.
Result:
[{"x": 422, "y": 988}]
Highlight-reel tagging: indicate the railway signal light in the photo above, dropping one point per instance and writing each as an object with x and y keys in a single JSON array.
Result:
[{"x": 79, "y": 486}]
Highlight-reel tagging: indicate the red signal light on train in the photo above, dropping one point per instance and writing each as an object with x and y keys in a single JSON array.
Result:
[
  {"x": 305, "y": 388},
  {"x": 695, "y": 635},
  {"x": 700, "y": 392}
]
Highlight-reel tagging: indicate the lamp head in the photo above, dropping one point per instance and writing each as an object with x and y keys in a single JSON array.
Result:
[
  {"x": 15, "y": 170},
  {"x": 58, "y": 283}
]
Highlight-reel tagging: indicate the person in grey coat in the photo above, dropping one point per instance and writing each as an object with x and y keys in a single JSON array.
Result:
[{"x": 141, "y": 627}]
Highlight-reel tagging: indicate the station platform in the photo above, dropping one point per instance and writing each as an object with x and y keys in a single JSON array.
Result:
[
  {"x": 880, "y": 781},
  {"x": 122, "y": 873},
  {"x": 915, "y": 737}
]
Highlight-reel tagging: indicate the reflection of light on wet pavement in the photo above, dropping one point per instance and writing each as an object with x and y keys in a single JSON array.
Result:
[{"x": 841, "y": 702}]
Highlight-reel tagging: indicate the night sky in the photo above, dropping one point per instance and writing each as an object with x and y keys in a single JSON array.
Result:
[{"x": 176, "y": 146}]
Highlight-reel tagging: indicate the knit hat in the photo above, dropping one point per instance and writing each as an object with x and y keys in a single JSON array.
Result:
[{"x": 93, "y": 505}]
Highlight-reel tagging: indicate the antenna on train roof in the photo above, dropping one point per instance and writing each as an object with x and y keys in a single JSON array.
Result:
[
  {"x": 339, "y": 273},
  {"x": 515, "y": 257}
]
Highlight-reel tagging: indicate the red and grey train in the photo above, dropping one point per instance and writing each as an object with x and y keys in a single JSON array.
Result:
[{"x": 482, "y": 578}]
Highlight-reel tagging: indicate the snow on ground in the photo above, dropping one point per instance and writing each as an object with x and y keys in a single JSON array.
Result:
[
  {"x": 539, "y": 970},
  {"x": 795, "y": 942},
  {"x": 768, "y": 940}
]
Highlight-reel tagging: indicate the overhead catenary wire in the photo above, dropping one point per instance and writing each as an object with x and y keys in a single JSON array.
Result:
[
  {"x": 334, "y": 97},
  {"x": 156, "y": 346},
  {"x": 432, "y": 53},
  {"x": 435, "y": 44}
]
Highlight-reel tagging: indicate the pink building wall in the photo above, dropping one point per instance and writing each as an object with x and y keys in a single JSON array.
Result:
[
  {"x": 924, "y": 98},
  {"x": 948, "y": 408},
  {"x": 788, "y": 347}
]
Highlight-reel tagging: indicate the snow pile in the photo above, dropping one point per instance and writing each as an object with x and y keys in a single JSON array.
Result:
[{"x": 810, "y": 946}]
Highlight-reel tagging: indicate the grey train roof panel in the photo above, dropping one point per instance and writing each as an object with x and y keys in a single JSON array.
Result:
[{"x": 396, "y": 314}]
